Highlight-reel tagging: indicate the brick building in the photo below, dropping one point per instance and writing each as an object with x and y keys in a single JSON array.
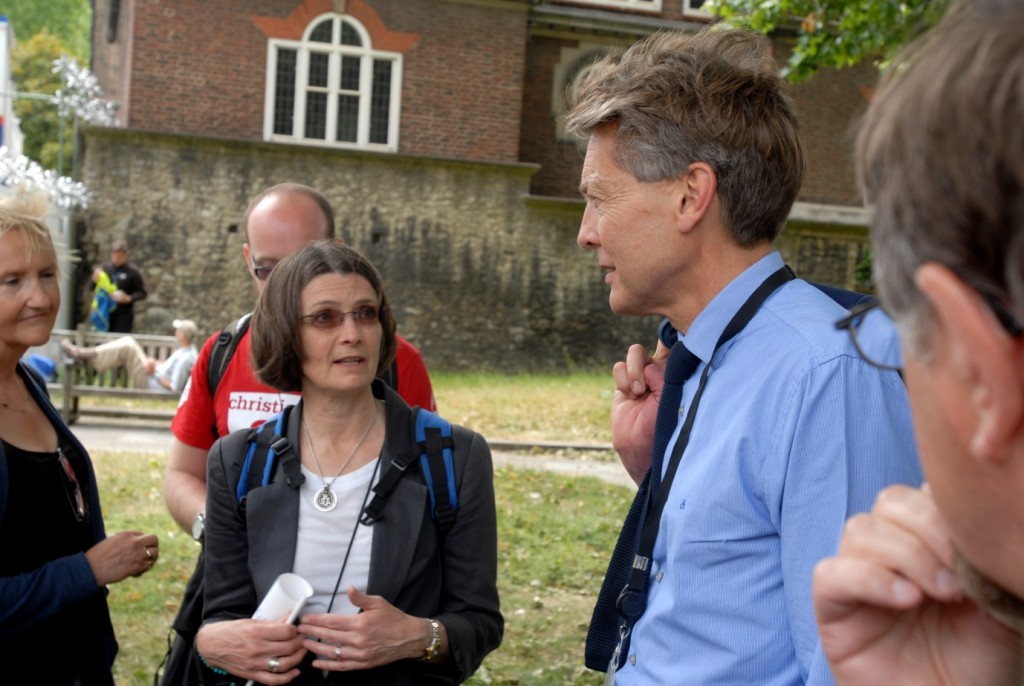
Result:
[{"x": 432, "y": 125}]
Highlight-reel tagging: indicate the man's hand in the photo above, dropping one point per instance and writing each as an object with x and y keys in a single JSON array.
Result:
[
  {"x": 890, "y": 610},
  {"x": 638, "y": 382}
]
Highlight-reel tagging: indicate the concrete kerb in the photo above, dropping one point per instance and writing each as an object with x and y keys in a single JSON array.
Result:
[{"x": 595, "y": 460}]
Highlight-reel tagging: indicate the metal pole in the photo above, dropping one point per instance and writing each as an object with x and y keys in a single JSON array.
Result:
[
  {"x": 74, "y": 149},
  {"x": 62, "y": 124}
]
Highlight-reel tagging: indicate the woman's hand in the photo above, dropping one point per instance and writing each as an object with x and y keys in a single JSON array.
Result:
[
  {"x": 128, "y": 553},
  {"x": 379, "y": 635},
  {"x": 266, "y": 652}
]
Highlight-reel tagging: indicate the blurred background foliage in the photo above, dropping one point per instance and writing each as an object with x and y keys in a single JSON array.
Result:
[{"x": 44, "y": 30}]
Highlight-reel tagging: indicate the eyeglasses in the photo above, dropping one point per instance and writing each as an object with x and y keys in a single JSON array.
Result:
[
  {"x": 330, "y": 318},
  {"x": 871, "y": 329},
  {"x": 262, "y": 271},
  {"x": 75, "y": 498},
  {"x": 873, "y": 334}
]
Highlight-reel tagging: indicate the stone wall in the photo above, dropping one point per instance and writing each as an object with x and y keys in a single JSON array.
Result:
[
  {"x": 482, "y": 274},
  {"x": 481, "y": 277}
]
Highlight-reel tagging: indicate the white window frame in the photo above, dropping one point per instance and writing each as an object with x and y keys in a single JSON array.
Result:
[
  {"x": 647, "y": 5},
  {"x": 367, "y": 56},
  {"x": 574, "y": 63}
]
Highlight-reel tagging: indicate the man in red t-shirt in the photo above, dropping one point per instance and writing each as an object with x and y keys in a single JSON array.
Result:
[{"x": 278, "y": 222}]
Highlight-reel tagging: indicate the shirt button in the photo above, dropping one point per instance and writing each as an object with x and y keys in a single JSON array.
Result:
[
  {"x": 632, "y": 660},
  {"x": 659, "y": 576}
]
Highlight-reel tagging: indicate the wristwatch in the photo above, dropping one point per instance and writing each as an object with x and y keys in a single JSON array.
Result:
[
  {"x": 199, "y": 527},
  {"x": 433, "y": 651}
]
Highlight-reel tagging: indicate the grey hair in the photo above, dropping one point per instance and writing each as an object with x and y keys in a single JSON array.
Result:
[
  {"x": 940, "y": 157},
  {"x": 714, "y": 96}
]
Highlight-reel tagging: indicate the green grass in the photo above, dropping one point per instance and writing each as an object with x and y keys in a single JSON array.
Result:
[
  {"x": 569, "y": 408},
  {"x": 555, "y": 533}
]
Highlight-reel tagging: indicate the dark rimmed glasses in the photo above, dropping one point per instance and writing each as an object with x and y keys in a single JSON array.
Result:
[
  {"x": 261, "y": 271},
  {"x": 330, "y": 318},
  {"x": 871, "y": 329},
  {"x": 72, "y": 488}
]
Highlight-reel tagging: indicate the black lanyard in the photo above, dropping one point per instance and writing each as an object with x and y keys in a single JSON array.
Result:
[{"x": 633, "y": 600}]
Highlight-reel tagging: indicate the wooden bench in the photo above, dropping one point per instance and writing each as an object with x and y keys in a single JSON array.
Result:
[{"x": 76, "y": 380}]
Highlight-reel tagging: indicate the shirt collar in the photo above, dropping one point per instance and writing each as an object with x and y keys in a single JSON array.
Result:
[{"x": 707, "y": 328}]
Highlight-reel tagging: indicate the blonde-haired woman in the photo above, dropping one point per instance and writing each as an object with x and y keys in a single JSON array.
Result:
[{"x": 57, "y": 559}]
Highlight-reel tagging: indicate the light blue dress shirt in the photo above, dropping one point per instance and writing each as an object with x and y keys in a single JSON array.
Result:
[{"x": 795, "y": 433}]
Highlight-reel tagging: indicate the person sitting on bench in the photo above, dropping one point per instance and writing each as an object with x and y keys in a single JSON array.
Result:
[{"x": 143, "y": 371}]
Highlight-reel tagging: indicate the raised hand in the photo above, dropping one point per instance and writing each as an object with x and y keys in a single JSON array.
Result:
[
  {"x": 638, "y": 382},
  {"x": 890, "y": 609}
]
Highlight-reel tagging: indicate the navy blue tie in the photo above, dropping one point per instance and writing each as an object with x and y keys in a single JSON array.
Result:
[{"x": 680, "y": 366}]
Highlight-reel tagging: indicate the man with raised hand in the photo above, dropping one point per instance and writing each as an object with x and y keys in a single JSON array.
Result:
[
  {"x": 929, "y": 587},
  {"x": 772, "y": 430}
]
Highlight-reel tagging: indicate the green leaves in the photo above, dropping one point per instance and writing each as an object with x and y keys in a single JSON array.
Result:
[
  {"x": 70, "y": 21},
  {"x": 45, "y": 30},
  {"x": 833, "y": 33},
  {"x": 32, "y": 70}
]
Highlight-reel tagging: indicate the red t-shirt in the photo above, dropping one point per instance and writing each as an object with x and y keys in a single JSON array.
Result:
[{"x": 243, "y": 402}]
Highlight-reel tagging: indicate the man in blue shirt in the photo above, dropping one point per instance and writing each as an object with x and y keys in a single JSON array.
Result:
[
  {"x": 929, "y": 587},
  {"x": 692, "y": 166}
]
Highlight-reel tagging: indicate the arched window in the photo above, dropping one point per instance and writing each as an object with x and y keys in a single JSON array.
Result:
[{"x": 332, "y": 88}]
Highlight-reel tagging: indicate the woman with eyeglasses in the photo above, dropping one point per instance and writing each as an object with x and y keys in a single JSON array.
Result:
[
  {"x": 56, "y": 561},
  {"x": 396, "y": 601}
]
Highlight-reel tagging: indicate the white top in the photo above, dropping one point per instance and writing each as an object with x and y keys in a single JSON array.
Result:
[
  {"x": 323, "y": 539},
  {"x": 177, "y": 368}
]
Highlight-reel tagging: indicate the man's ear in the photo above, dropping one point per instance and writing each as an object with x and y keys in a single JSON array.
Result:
[
  {"x": 697, "y": 190},
  {"x": 985, "y": 359}
]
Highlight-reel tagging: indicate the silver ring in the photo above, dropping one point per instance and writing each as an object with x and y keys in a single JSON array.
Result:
[
  {"x": 337, "y": 652},
  {"x": 273, "y": 664}
]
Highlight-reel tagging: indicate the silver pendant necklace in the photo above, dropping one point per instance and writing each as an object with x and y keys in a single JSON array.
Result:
[{"x": 325, "y": 499}]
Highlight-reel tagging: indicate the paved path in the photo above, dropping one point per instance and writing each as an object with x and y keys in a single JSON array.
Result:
[{"x": 146, "y": 437}]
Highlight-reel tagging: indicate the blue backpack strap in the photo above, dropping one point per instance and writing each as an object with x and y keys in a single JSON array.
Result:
[
  {"x": 265, "y": 443},
  {"x": 434, "y": 439}
]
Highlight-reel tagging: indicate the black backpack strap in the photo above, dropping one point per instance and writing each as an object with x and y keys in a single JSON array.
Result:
[
  {"x": 434, "y": 439},
  {"x": 846, "y": 299},
  {"x": 390, "y": 375},
  {"x": 223, "y": 350},
  {"x": 389, "y": 478},
  {"x": 432, "y": 436}
]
